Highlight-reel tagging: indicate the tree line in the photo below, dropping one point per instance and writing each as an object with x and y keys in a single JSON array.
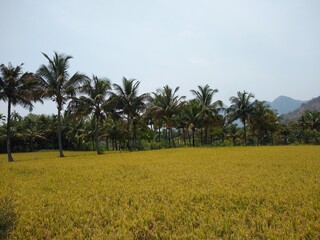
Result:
[{"x": 102, "y": 116}]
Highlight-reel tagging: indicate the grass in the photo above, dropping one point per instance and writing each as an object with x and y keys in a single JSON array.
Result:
[{"x": 202, "y": 193}]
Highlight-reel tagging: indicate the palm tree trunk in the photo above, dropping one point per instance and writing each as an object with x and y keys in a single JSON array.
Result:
[
  {"x": 135, "y": 145},
  {"x": 245, "y": 132},
  {"x": 10, "y": 159},
  {"x": 128, "y": 129},
  {"x": 78, "y": 143},
  {"x": 107, "y": 143},
  {"x": 159, "y": 130},
  {"x": 206, "y": 135},
  {"x": 171, "y": 135},
  {"x": 96, "y": 135},
  {"x": 59, "y": 131},
  {"x": 189, "y": 137},
  {"x": 193, "y": 132}
]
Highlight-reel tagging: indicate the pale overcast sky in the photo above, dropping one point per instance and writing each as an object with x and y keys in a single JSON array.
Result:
[{"x": 267, "y": 47}]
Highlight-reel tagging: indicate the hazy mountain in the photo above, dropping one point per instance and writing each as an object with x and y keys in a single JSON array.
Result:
[
  {"x": 312, "y": 105},
  {"x": 285, "y": 104}
]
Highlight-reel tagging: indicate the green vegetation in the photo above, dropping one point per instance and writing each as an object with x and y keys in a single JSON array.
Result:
[
  {"x": 190, "y": 193},
  {"x": 101, "y": 116},
  {"x": 58, "y": 86}
]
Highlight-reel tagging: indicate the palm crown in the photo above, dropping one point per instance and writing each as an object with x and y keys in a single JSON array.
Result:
[
  {"x": 58, "y": 85},
  {"x": 17, "y": 88}
]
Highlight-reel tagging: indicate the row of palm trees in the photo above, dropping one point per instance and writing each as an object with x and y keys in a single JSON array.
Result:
[
  {"x": 163, "y": 110},
  {"x": 35, "y": 132}
]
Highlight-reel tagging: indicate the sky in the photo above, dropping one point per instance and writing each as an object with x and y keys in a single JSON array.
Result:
[{"x": 266, "y": 47}]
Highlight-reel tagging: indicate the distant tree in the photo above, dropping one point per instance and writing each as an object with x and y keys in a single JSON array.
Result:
[
  {"x": 233, "y": 131},
  {"x": 127, "y": 100},
  {"x": 58, "y": 84},
  {"x": 32, "y": 131},
  {"x": 263, "y": 121},
  {"x": 75, "y": 131},
  {"x": 312, "y": 119},
  {"x": 167, "y": 104},
  {"x": 208, "y": 108},
  {"x": 95, "y": 92},
  {"x": 17, "y": 88},
  {"x": 220, "y": 128},
  {"x": 284, "y": 132},
  {"x": 154, "y": 115},
  {"x": 309, "y": 125},
  {"x": 241, "y": 108},
  {"x": 192, "y": 112}
]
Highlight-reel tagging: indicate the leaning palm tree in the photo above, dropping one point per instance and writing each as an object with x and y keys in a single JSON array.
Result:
[
  {"x": 96, "y": 91},
  {"x": 127, "y": 100},
  {"x": 208, "y": 108},
  {"x": 17, "y": 88},
  {"x": 59, "y": 86},
  {"x": 241, "y": 108}
]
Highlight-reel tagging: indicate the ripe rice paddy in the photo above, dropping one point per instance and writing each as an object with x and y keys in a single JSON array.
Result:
[{"x": 201, "y": 193}]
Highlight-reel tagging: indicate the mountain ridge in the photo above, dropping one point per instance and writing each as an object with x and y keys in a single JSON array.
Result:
[
  {"x": 284, "y": 104},
  {"x": 312, "y": 105}
]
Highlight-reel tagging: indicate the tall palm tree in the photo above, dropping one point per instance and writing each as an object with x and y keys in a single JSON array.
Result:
[
  {"x": 59, "y": 86},
  {"x": 241, "y": 108},
  {"x": 17, "y": 88},
  {"x": 208, "y": 108},
  {"x": 127, "y": 100},
  {"x": 96, "y": 91},
  {"x": 154, "y": 115},
  {"x": 191, "y": 111},
  {"x": 167, "y": 104}
]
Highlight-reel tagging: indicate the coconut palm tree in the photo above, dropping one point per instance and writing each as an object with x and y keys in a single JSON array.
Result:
[
  {"x": 312, "y": 119},
  {"x": 154, "y": 115},
  {"x": 233, "y": 132},
  {"x": 167, "y": 104},
  {"x": 263, "y": 120},
  {"x": 17, "y": 88},
  {"x": 96, "y": 91},
  {"x": 309, "y": 125},
  {"x": 241, "y": 108},
  {"x": 208, "y": 108},
  {"x": 191, "y": 112},
  {"x": 127, "y": 100},
  {"x": 32, "y": 133},
  {"x": 59, "y": 86}
]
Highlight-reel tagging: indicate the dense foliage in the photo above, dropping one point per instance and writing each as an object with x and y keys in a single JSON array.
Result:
[{"x": 104, "y": 116}]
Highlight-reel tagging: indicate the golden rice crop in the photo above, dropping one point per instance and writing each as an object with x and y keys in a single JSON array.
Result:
[{"x": 201, "y": 193}]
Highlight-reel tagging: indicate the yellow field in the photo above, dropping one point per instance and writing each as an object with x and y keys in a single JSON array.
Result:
[{"x": 202, "y": 193}]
